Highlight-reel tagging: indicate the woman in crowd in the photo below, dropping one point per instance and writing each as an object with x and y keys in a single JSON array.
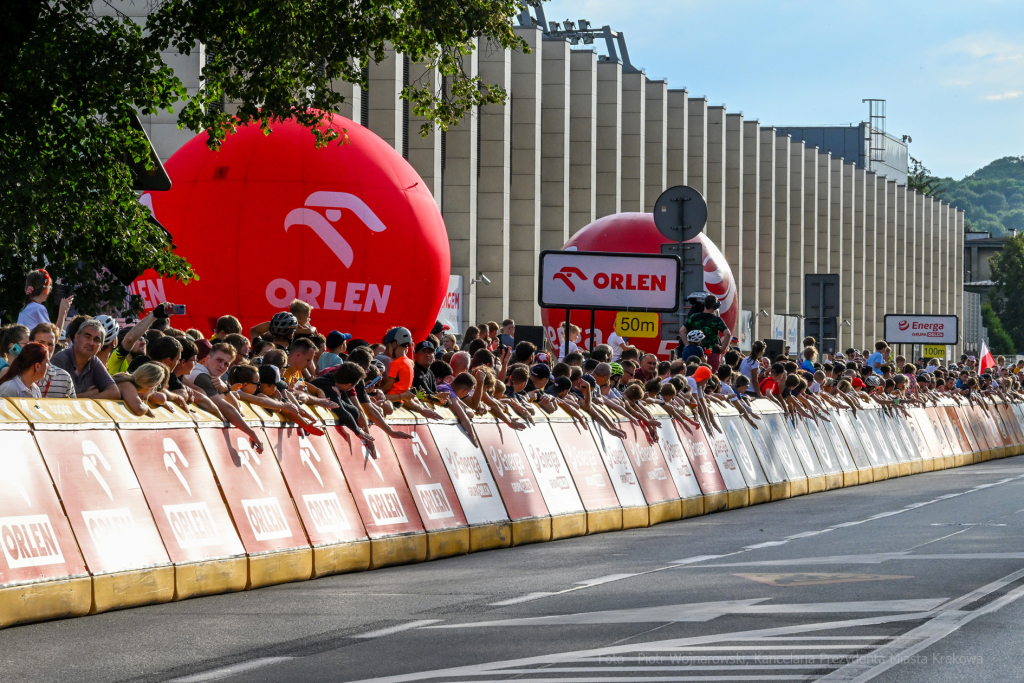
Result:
[
  {"x": 139, "y": 389},
  {"x": 38, "y": 286},
  {"x": 29, "y": 367},
  {"x": 11, "y": 340}
]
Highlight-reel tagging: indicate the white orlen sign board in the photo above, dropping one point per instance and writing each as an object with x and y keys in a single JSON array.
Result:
[
  {"x": 553, "y": 477},
  {"x": 614, "y": 282},
  {"x": 921, "y": 329},
  {"x": 471, "y": 477},
  {"x": 451, "y": 308}
]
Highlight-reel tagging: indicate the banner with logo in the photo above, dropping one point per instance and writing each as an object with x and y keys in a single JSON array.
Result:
[
  {"x": 318, "y": 487},
  {"x": 182, "y": 494},
  {"x": 676, "y": 462},
  {"x": 743, "y": 451},
  {"x": 512, "y": 472},
  {"x": 922, "y": 329},
  {"x": 777, "y": 433},
  {"x": 428, "y": 479},
  {"x": 255, "y": 492},
  {"x": 727, "y": 465},
  {"x": 822, "y": 445},
  {"x": 470, "y": 476},
  {"x": 620, "y": 469},
  {"x": 804, "y": 451},
  {"x": 379, "y": 489},
  {"x": 549, "y": 468},
  {"x": 103, "y": 500},
  {"x": 583, "y": 459},
  {"x": 702, "y": 460},
  {"x": 36, "y": 542},
  {"x": 608, "y": 281}
]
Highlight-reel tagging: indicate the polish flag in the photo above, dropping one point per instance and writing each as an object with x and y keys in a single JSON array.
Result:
[{"x": 987, "y": 361}]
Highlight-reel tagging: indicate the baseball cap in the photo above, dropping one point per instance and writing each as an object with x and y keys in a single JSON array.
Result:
[
  {"x": 398, "y": 335},
  {"x": 702, "y": 373},
  {"x": 270, "y": 374},
  {"x": 873, "y": 381},
  {"x": 541, "y": 370},
  {"x": 971, "y": 358},
  {"x": 336, "y": 339},
  {"x": 840, "y": 356},
  {"x": 562, "y": 384},
  {"x": 857, "y": 383},
  {"x": 204, "y": 347},
  {"x": 424, "y": 346},
  {"x": 439, "y": 327}
]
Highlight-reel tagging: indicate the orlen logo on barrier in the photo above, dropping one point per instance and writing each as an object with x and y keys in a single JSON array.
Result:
[
  {"x": 192, "y": 524},
  {"x": 385, "y": 506},
  {"x": 266, "y": 518},
  {"x": 326, "y": 513},
  {"x": 29, "y": 541},
  {"x": 358, "y": 296},
  {"x": 435, "y": 503}
]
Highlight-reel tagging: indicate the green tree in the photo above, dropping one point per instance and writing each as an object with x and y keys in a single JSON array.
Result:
[
  {"x": 1007, "y": 296},
  {"x": 922, "y": 180},
  {"x": 998, "y": 337},
  {"x": 75, "y": 71}
]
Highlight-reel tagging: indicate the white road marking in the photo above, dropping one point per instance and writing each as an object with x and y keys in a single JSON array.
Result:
[
  {"x": 702, "y": 558},
  {"x": 522, "y": 598},
  {"x": 658, "y": 679},
  {"x": 604, "y": 579},
  {"x": 225, "y": 671},
  {"x": 766, "y": 544},
  {"x": 397, "y": 629}
]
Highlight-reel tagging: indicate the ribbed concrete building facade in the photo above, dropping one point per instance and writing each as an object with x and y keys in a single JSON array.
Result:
[{"x": 585, "y": 135}]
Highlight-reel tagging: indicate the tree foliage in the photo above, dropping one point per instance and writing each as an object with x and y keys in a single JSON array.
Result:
[
  {"x": 76, "y": 70},
  {"x": 1000, "y": 340},
  {"x": 1007, "y": 296},
  {"x": 992, "y": 197},
  {"x": 921, "y": 179}
]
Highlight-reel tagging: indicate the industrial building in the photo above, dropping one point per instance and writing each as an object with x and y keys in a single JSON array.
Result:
[{"x": 586, "y": 134}]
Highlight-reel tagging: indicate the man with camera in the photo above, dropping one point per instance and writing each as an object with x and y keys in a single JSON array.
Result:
[{"x": 131, "y": 342}]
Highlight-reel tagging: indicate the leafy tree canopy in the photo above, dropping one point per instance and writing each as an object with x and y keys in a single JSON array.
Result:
[
  {"x": 75, "y": 71},
  {"x": 992, "y": 197},
  {"x": 1007, "y": 296}
]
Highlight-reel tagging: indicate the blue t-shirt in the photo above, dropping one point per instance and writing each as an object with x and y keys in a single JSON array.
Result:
[
  {"x": 876, "y": 357},
  {"x": 807, "y": 365},
  {"x": 691, "y": 350}
]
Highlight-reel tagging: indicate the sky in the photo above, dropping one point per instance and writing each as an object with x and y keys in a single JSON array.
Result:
[{"x": 952, "y": 72}]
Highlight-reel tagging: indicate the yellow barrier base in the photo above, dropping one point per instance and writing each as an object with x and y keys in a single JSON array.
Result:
[
  {"x": 226, "y": 575},
  {"x": 392, "y": 550},
  {"x": 851, "y": 478},
  {"x": 985, "y": 455},
  {"x": 759, "y": 494},
  {"x": 798, "y": 487},
  {"x": 716, "y": 502},
  {"x": 928, "y": 465},
  {"x": 447, "y": 542},
  {"x": 866, "y": 475},
  {"x": 47, "y": 600},
  {"x": 879, "y": 473},
  {"x": 270, "y": 569},
  {"x": 489, "y": 536},
  {"x": 781, "y": 490},
  {"x": 947, "y": 462},
  {"x": 739, "y": 498},
  {"x": 960, "y": 461},
  {"x": 600, "y": 521},
  {"x": 894, "y": 470},
  {"x": 535, "y": 530},
  {"x": 816, "y": 484},
  {"x": 833, "y": 481},
  {"x": 567, "y": 526},
  {"x": 916, "y": 466},
  {"x": 691, "y": 507},
  {"x": 341, "y": 558},
  {"x": 131, "y": 589},
  {"x": 665, "y": 511},
  {"x": 904, "y": 469},
  {"x": 635, "y": 517}
]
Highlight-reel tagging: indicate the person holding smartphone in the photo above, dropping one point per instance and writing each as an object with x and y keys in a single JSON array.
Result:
[{"x": 131, "y": 343}]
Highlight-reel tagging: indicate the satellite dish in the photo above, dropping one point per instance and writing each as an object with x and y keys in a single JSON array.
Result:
[{"x": 680, "y": 213}]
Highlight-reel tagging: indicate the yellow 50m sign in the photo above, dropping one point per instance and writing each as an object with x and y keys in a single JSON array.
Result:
[{"x": 636, "y": 324}]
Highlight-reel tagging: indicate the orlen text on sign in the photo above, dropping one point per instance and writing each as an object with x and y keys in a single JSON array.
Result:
[
  {"x": 921, "y": 329},
  {"x": 608, "y": 281}
]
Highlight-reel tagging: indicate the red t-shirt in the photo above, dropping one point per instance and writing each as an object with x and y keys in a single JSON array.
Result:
[
  {"x": 770, "y": 386},
  {"x": 401, "y": 369}
]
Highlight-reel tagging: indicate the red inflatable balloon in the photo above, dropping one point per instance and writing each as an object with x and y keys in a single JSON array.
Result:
[
  {"x": 635, "y": 233},
  {"x": 350, "y": 228}
]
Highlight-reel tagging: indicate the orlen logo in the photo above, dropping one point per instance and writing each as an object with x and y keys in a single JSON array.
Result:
[
  {"x": 565, "y": 275},
  {"x": 358, "y": 296},
  {"x": 904, "y": 325}
]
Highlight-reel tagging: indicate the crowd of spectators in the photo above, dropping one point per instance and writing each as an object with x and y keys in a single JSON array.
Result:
[{"x": 286, "y": 365}]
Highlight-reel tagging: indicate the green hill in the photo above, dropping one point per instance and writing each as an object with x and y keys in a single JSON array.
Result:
[{"x": 992, "y": 197}]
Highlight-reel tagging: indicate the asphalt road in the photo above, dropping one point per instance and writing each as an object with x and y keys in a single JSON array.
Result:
[{"x": 912, "y": 579}]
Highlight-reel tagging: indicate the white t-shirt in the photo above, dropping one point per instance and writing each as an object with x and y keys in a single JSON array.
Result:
[
  {"x": 695, "y": 388},
  {"x": 747, "y": 367},
  {"x": 616, "y": 342},
  {"x": 15, "y": 388},
  {"x": 32, "y": 315},
  {"x": 562, "y": 353}
]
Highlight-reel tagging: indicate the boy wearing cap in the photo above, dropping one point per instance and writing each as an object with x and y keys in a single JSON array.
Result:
[
  {"x": 423, "y": 377},
  {"x": 336, "y": 343},
  {"x": 400, "y": 370}
]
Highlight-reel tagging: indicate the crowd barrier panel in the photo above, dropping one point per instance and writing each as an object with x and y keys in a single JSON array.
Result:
[
  {"x": 1015, "y": 435},
  {"x": 833, "y": 437},
  {"x": 1017, "y": 422},
  {"x": 443, "y": 518},
  {"x": 776, "y": 438},
  {"x": 568, "y": 516},
  {"x": 475, "y": 488},
  {"x": 258, "y": 499},
  {"x": 886, "y": 433},
  {"x": 831, "y": 459},
  {"x": 805, "y": 431},
  {"x": 779, "y": 485},
  {"x": 920, "y": 426},
  {"x": 968, "y": 442},
  {"x": 949, "y": 431},
  {"x": 817, "y": 480},
  {"x": 524, "y": 502},
  {"x": 996, "y": 429},
  {"x": 385, "y": 503},
  {"x": 42, "y": 572},
  {"x": 691, "y": 498},
  {"x": 737, "y": 491},
  {"x": 758, "y": 488},
  {"x": 869, "y": 429},
  {"x": 182, "y": 493},
  {"x": 945, "y": 449},
  {"x": 847, "y": 432},
  {"x": 659, "y": 489},
  {"x": 635, "y": 513},
  {"x": 897, "y": 423},
  {"x": 575, "y": 439},
  {"x": 320, "y": 493},
  {"x": 103, "y": 502},
  {"x": 703, "y": 465}
]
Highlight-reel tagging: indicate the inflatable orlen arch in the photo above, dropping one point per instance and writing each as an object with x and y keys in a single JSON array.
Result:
[
  {"x": 635, "y": 233},
  {"x": 350, "y": 228}
]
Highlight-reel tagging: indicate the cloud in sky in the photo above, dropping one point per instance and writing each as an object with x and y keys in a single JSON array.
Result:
[{"x": 1005, "y": 96}]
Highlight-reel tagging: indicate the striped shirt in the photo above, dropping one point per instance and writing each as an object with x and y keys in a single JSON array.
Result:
[{"x": 57, "y": 384}]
